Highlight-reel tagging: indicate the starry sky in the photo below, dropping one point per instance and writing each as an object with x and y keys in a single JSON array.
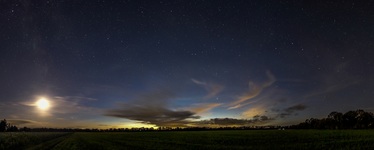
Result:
[{"x": 130, "y": 63}]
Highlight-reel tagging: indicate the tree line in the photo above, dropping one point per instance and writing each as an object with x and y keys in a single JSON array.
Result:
[
  {"x": 5, "y": 126},
  {"x": 358, "y": 119}
]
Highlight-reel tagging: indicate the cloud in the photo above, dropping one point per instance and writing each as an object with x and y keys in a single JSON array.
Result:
[
  {"x": 72, "y": 104},
  {"x": 76, "y": 98},
  {"x": 338, "y": 77},
  {"x": 18, "y": 122},
  {"x": 261, "y": 118},
  {"x": 204, "y": 107},
  {"x": 331, "y": 88},
  {"x": 151, "y": 108},
  {"x": 292, "y": 110},
  {"x": 234, "y": 107},
  {"x": 295, "y": 108},
  {"x": 211, "y": 88},
  {"x": 217, "y": 122},
  {"x": 198, "y": 82},
  {"x": 61, "y": 107},
  {"x": 255, "y": 111},
  {"x": 254, "y": 91}
]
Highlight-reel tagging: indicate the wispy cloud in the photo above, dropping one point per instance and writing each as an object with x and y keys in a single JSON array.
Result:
[
  {"x": 211, "y": 88},
  {"x": 255, "y": 90},
  {"x": 203, "y": 107},
  {"x": 75, "y": 98},
  {"x": 63, "y": 105},
  {"x": 19, "y": 122},
  {"x": 331, "y": 88},
  {"x": 336, "y": 79},
  {"x": 73, "y": 104}
]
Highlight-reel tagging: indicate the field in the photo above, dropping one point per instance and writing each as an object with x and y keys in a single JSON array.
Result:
[{"x": 239, "y": 139}]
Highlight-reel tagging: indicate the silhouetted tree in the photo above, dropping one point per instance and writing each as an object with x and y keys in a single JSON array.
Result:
[
  {"x": 3, "y": 125},
  {"x": 337, "y": 119},
  {"x": 12, "y": 128},
  {"x": 349, "y": 119},
  {"x": 358, "y": 119},
  {"x": 313, "y": 123},
  {"x": 364, "y": 119}
]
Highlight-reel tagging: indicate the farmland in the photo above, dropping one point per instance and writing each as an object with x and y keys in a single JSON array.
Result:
[{"x": 238, "y": 139}]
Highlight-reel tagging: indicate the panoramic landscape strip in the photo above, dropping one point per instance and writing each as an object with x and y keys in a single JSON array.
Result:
[{"x": 350, "y": 130}]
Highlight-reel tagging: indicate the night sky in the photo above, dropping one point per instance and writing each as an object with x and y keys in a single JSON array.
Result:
[{"x": 117, "y": 63}]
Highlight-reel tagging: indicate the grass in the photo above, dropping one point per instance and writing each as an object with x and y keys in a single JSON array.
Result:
[
  {"x": 240, "y": 139},
  {"x": 22, "y": 140}
]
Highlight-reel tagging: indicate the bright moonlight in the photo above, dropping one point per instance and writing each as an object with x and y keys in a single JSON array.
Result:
[{"x": 43, "y": 104}]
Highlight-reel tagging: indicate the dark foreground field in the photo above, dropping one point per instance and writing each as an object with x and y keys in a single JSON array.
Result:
[{"x": 248, "y": 139}]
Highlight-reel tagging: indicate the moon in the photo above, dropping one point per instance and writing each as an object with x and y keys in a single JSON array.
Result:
[{"x": 43, "y": 104}]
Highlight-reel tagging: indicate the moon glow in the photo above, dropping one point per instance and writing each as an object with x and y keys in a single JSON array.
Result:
[{"x": 43, "y": 104}]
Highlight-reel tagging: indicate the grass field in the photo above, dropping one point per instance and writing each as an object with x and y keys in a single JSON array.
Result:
[{"x": 245, "y": 139}]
